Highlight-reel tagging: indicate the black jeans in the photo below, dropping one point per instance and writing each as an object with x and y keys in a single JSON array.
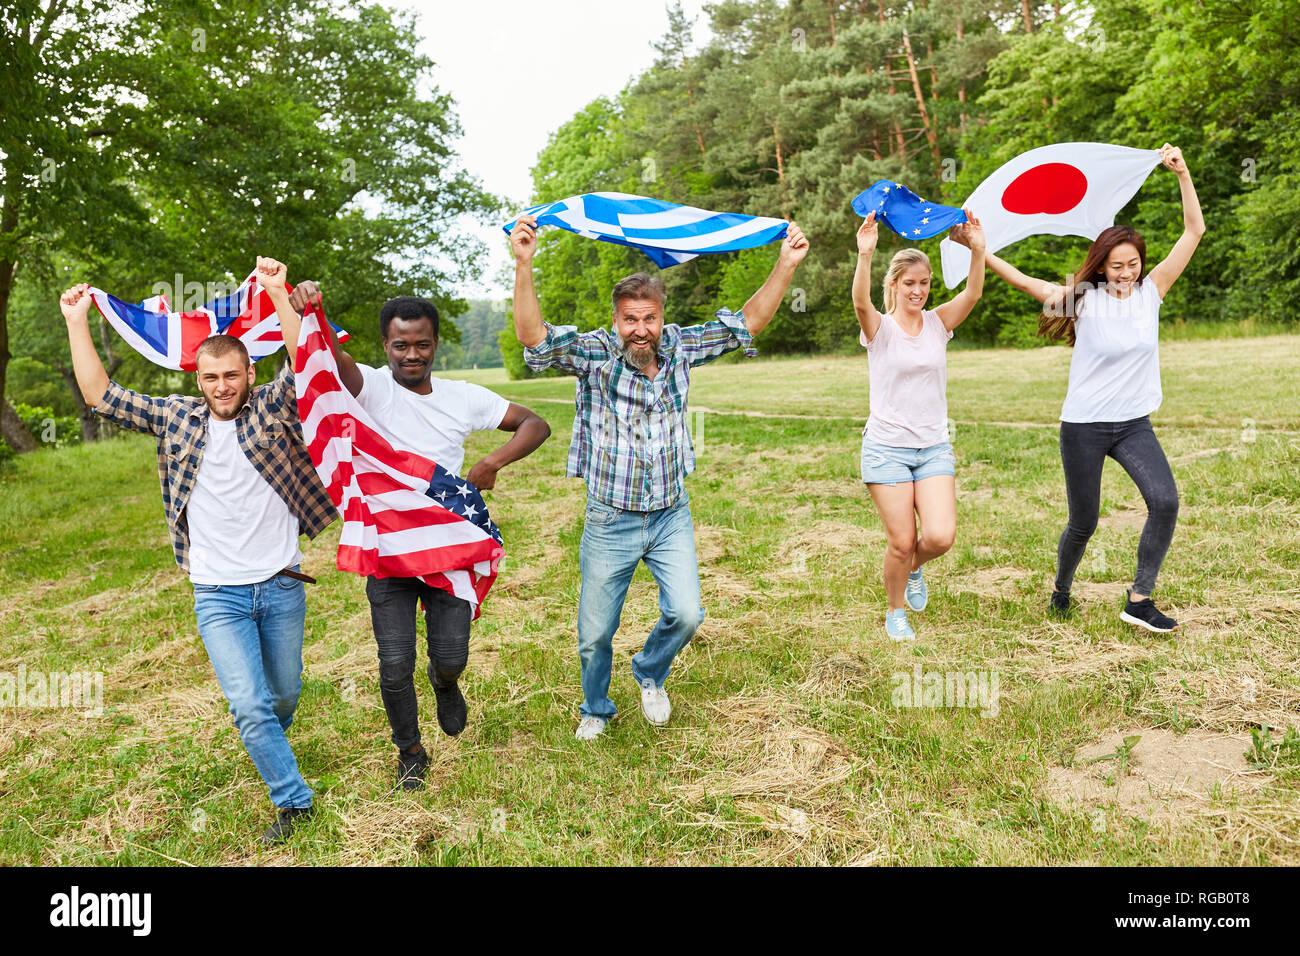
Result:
[
  {"x": 392, "y": 615},
  {"x": 1084, "y": 447}
]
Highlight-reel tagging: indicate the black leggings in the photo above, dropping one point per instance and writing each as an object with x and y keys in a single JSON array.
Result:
[
  {"x": 1084, "y": 447},
  {"x": 392, "y": 614}
]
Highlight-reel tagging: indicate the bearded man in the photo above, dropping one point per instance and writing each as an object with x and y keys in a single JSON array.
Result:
[
  {"x": 238, "y": 487},
  {"x": 632, "y": 445}
]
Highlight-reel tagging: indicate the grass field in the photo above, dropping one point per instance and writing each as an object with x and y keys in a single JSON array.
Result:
[{"x": 788, "y": 742}]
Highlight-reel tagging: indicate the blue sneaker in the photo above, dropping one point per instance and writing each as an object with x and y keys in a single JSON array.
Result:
[
  {"x": 896, "y": 626},
  {"x": 917, "y": 595}
]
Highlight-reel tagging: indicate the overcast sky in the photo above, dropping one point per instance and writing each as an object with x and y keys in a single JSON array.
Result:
[{"x": 519, "y": 70}]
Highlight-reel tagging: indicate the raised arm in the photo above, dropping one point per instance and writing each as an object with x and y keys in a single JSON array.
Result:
[
  {"x": 1040, "y": 289},
  {"x": 953, "y": 312},
  {"x": 868, "y": 317},
  {"x": 1167, "y": 272},
  {"x": 529, "y": 328},
  {"x": 271, "y": 275},
  {"x": 530, "y": 430},
  {"x": 762, "y": 305},
  {"x": 86, "y": 364}
]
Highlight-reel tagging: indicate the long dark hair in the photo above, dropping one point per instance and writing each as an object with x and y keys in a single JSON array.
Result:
[{"x": 1057, "y": 319}]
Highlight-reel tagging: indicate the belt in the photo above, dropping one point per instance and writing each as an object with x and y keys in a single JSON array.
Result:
[{"x": 288, "y": 572}]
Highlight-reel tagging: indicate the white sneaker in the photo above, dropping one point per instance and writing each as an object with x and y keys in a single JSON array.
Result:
[
  {"x": 590, "y": 727},
  {"x": 654, "y": 703}
]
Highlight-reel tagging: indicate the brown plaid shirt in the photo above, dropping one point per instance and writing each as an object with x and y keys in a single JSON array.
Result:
[{"x": 270, "y": 435}]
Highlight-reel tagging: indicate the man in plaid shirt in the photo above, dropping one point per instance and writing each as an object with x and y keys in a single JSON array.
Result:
[
  {"x": 238, "y": 486},
  {"x": 632, "y": 445}
]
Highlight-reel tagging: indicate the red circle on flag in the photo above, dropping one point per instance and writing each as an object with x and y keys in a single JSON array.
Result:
[{"x": 1051, "y": 188}]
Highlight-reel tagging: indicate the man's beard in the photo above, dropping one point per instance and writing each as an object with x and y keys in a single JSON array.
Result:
[
  {"x": 637, "y": 358},
  {"x": 240, "y": 400}
]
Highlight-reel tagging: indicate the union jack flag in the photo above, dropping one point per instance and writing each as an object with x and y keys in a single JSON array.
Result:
[
  {"x": 403, "y": 514},
  {"x": 170, "y": 339}
]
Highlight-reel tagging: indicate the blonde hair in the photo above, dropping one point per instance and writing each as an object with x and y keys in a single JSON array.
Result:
[{"x": 903, "y": 259}]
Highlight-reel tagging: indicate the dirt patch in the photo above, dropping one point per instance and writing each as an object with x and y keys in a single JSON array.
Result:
[{"x": 1164, "y": 773}]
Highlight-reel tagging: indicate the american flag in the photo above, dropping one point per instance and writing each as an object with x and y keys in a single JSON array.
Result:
[
  {"x": 664, "y": 231},
  {"x": 170, "y": 339},
  {"x": 403, "y": 515}
]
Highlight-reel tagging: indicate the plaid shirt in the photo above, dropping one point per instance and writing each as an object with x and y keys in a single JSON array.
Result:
[
  {"x": 270, "y": 436},
  {"x": 631, "y": 441}
]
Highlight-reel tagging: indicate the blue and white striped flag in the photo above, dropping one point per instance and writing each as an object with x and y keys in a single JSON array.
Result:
[{"x": 666, "y": 232}]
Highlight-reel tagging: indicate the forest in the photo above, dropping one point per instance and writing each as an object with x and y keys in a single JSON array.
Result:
[{"x": 791, "y": 109}]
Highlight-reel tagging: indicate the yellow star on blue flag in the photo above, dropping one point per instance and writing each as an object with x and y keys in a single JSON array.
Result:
[{"x": 905, "y": 212}]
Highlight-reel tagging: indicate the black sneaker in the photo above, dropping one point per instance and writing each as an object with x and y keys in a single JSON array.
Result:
[
  {"x": 288, "y": 818},
  {"x": 410, "y": 769},
  {"x": 452, "y": 712},
  {"x": 1144, "y": 614},
  {"x": 1060, "y": 606}
]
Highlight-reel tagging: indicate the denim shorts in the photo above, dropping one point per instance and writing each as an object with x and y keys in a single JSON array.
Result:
[{"x": 887, "y": 465}]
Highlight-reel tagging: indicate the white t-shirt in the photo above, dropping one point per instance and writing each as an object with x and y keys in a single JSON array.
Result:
[
  {"x": 909, "y": 383},
  {"x": 241, "y": 531},
  {"x": 434, "y": 425},
  {"x": 1115, "y": 368}
]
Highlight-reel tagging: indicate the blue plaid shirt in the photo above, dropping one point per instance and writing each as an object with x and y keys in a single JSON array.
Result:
[
  {"x": 270, "y": 436},
  {"x": 631, "y": 440}
]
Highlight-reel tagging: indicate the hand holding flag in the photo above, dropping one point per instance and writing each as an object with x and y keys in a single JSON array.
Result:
[
  {"x": 868, "y": 235},
  {"x": 1172, "y": 157},
  {"x": 75, "y": 303},
  {"x": 794, "y": 247},
  {"x": 969, "y": 233},
  {"x": 523, "y": 239}
]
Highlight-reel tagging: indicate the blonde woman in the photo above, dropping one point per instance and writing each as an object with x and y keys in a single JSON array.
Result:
[{"x": 907, "y": 461}]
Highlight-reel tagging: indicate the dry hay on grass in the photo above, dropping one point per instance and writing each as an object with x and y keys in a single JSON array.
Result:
[
  {"x": 1167, "y": 774},
  {"x": 126, "y": 596},
  {"x": 827, "y": 538},
  {"x": 766, "y": 457},
  {"x": 1123, "y": 518},
  {"x": 1062, "y": 656},
  {"x": 989, "y": 582},
  {"x": 137, "y": 809},
  {"x": 768, "y": 752},
  {"x": 837, "y": 676},
  {"x": 520, "y": 573},
  {"x": 1240, "y": 693},
  {"x": 713, "y": 542},
  {"x": 778, "y": 770}
]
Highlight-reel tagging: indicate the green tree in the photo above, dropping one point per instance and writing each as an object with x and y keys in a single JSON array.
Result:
[{"x": 300, "y": 129}]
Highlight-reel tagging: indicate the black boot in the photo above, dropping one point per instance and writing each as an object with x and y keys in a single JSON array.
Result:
[
  {"x": 288, "y": 818},
  {"x": 410, "y": 769},
  {"x": 452, "y": 712},
  {"x": 1060, "y": 606}
]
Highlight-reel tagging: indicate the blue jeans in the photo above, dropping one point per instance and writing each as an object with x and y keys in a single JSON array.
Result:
[
  {"x": 613, "y": 543},
  {"x": 253, "y": 635}
]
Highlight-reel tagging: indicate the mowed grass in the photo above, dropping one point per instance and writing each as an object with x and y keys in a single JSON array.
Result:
[{"x": 786, "y": 744}]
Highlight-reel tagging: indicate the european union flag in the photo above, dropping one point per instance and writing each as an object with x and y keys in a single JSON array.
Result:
[{"x": 905, "y": 212}]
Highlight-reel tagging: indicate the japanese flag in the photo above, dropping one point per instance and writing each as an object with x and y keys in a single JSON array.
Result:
[{"x": 1067, "y": 189}]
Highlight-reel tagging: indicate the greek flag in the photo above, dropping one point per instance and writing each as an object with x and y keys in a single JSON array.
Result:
[{"x": 666, "y": 232}]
